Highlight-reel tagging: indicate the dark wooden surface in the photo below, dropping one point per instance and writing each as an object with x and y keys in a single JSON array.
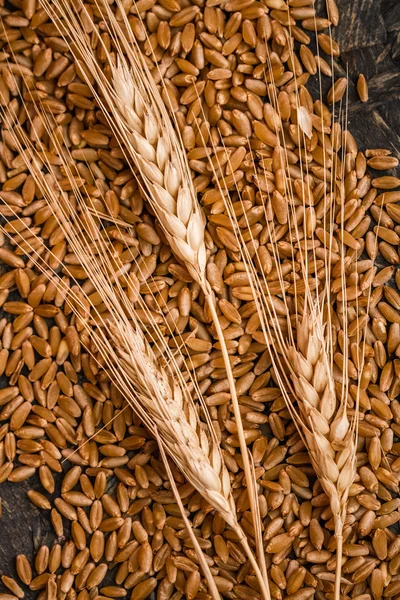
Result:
[{"x": 369, "y": 35}]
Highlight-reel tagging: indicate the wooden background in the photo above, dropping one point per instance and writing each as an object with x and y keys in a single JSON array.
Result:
[{"x": 369, "y": 36}]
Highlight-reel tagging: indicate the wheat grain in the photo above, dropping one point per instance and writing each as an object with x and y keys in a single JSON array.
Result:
[
  {"x": 362, "y": 88},
  {"x": 13, "y": 586}
]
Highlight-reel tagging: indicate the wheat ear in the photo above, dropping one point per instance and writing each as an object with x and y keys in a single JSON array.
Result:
[
  {"x": 168, "y": 408},
  {"x": 155, "y": 151},
  {"x": 195, "y": 451},
  {"x": 158, "y": 395},
  {"x": 324, "y": 423},
  {"x": 303, "y": 369},
  {"x": 302, "y": 357},
  {"x": 142, "y": 124}
]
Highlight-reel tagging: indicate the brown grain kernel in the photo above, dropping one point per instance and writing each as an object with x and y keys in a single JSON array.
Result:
[
  {"x": 362, "y": 88},
  {"x": 38, "y": 499},
  {"x": 13, "y": 586}
]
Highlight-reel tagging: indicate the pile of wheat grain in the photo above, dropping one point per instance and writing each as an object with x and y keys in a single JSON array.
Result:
[{"x": 260, "y": 149}]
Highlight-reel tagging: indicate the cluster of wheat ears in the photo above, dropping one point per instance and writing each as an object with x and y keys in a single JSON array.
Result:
[{"x": 296, "y": 324}]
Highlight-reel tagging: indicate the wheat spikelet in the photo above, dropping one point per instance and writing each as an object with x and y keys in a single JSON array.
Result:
[
  {"x": 159, "y": 162},
  {"x": 169, "y": 408}
]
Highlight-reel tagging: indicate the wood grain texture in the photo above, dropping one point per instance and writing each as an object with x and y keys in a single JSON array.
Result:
[
  {"x": 376, "y": 54},
  {"x": 361, "y": 24},
  {"x": 23, "y": 527}
]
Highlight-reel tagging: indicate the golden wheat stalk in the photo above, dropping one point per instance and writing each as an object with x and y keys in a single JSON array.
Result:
[
  {"x": 323, "y": 421},
  {"x": 302, "y": 355},
  {"x": 148, "y": 388},
  {"x": 302, "y": 360},
  {"x": 193, "y": 449},
  {"x": 158, "y": 395},
  {"x": 143, "y": 126}
]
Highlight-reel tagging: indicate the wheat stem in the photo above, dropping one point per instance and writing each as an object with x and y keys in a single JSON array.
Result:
[
  {"x": 339, "y": 555},
  {"x": 203, "y": 563},
  {"x": 261, "y": 576},
  {"x": 240, "y": 431}
]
